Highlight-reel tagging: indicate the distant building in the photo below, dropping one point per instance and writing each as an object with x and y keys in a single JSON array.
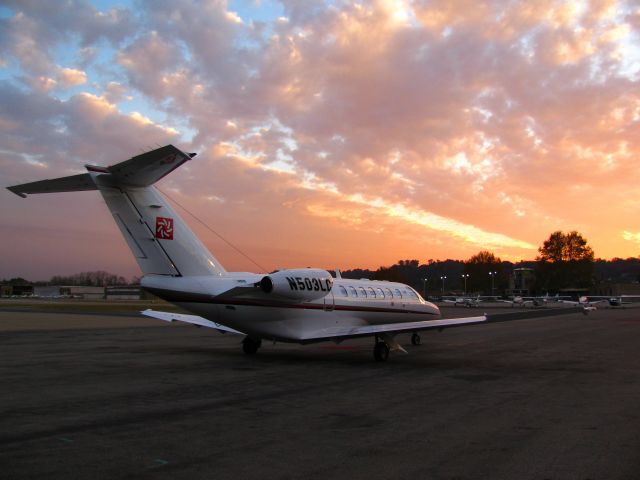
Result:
[
  {"x": 16, "y": 290},
  {"x": 616, "y": 289},
  {"x": 46, "y": 291},
  {"x": 128, "y": 292},
  {"x": 87, "y": 293},
  {"x": 521, "y": 282}
]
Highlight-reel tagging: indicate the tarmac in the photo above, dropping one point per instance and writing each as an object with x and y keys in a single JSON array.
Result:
[{"x": 119, "y": 396}]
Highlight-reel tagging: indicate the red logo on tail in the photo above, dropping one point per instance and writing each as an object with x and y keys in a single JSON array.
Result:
[{"x": 164, "y": 228}]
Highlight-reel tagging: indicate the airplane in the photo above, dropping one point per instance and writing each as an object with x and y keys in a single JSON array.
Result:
[
  {"x": 585, "y": 303},
  {"x": 518, "y": 301},
  {"x": 299, "y": 305},
  {"x": 466, "y": 301},
  {"x": 614, "y": 301},
  {"x": 533, "y": 301}
]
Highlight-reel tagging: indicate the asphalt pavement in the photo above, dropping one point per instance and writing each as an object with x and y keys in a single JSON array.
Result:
[{"x": 95, "y": 396}]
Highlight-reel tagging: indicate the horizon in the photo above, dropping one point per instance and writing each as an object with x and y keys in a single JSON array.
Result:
[
  {"x": 332, "y": 269},
  {"x": 341, "y": 134}
]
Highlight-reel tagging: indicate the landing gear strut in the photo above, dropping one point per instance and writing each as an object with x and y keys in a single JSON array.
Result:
[
  {"x": 415, "y": 339},
  {"x": 380, "y": 351},
  {"x": 251, "y": 345}
]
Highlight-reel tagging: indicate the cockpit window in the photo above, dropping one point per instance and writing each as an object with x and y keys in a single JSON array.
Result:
[
  {"x": 372, "y": 294},
  {"x": 352, "y": 292},
  {"x": 379, "y": 292},
  {"x": 388, "y": 293},
  {"x": 343, "y": 291},
  {"x": 398, "y": 293},
  {"x": 411, "y": 293},
  {"x": 363, "y": 293}
]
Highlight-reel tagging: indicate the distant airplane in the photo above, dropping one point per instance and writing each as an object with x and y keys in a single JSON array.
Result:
[
  {"x": 303, "y": 305},
  {"x": 585, "y": 303},
  {"x": 466, "y": 301},
  {"x": 613, "y": 301},
  {"x": 533, "y": 301}
]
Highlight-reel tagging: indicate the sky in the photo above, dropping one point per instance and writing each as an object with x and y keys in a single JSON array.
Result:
[{"x": 329, "y": 133}]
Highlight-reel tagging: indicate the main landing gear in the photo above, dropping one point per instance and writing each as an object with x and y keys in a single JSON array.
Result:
[
  {"x": 384, "y": 343},
  {"x": 380, "y": 351},
  {"x": 251, "y": 345}
]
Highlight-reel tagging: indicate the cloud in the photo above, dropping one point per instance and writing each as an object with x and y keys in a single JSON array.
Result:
[
  {"x": 70, "y": 77},
  {"x": 418, "y": 129},
  {"x": 632, "y": 237}
]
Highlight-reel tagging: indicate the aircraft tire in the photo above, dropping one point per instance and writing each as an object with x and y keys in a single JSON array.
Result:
[
  {"x": 250, "y": 346},
  {"x": 380, "y": 352},
  {"x": 415, "y": 339}
]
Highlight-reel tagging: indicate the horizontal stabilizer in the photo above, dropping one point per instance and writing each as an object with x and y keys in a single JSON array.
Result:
[
  {"x": 146, "y": 169},
  {"x": 192, "y": 319},
  {"x": 74, "y": 183}
]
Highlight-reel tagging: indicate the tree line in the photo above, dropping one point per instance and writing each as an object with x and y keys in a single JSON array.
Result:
[
  {"x": 564, "y": 261},
  {"x": 97, "y": 278}
]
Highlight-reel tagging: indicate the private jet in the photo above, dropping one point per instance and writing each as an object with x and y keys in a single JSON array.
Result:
[{"x": 299, "y": 305}]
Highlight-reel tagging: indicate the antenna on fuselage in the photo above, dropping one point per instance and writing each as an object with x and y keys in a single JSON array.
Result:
[{"x": 338, "y": 274}]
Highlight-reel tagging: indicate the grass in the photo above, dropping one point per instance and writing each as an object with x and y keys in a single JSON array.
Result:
[{"x": 85, "y": 306}]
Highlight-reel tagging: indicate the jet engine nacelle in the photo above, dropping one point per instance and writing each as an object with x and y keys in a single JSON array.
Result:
[{"x": 298, "y": 284}]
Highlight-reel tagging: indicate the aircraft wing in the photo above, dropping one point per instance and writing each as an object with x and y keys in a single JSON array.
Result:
[
  {"x": 391, "y": 328},
  {"x": 584, "y": 304},
  {"x": 339, "y": 333},
  {"x": 192, "y": 319},
  {"x": 569, "y": 302},
  {"x": 604, "y": 300}
]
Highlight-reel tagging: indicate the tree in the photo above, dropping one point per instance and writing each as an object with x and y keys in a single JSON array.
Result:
[
  {"x": 560, "y": 247},
  {"x": 565, "y": 261},
  {"x": 98, "y": 278},
  {"x": 478, "y": 268},
  {"x": 15, "y": 281}
]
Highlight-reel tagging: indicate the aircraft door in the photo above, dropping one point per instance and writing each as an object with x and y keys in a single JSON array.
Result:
[{"x": 329, "y": 302}]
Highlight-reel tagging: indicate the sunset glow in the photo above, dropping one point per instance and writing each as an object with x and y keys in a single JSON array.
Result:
[{"x": 328, "y": 135}]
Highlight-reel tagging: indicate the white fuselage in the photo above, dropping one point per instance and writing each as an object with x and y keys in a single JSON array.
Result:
[{"x": 348, "y": 303}]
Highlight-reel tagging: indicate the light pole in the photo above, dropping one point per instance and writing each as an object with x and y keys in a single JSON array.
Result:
[
  {"x": 493, "y": 276},
  {"x": 465, "y": 276},
  {"x": 424, "y": 287},
  {"x": 443, "y": 278}
]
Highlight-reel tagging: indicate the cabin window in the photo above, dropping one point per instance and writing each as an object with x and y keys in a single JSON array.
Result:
[
  {"x": 363, "y": 293},
  {"x": 352, "y": 292},
  {"x": 372, "y": 294},
  {"x": 398, "y": 293},
  {"x": 388, "y": 293},
  {"x": 343, "y": 291},
  {"x": 380, "y": 292}
]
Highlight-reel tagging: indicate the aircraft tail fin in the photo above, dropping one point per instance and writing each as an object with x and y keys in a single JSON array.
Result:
[{"x": 159, "y": 239}]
